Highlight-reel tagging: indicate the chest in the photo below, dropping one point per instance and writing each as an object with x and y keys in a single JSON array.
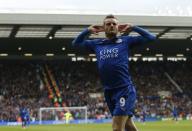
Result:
[{"x": 111, "y": 49}]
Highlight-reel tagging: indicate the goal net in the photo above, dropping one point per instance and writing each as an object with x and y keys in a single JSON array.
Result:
[{"x": 61, "y": 115}]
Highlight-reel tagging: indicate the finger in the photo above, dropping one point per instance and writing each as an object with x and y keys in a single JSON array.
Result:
[
  {"x": 95, "y": 33},
  {"x": 100, "y": 28},
  {"x": 122, "y": 26},
  {"x": 124, "y": 29},
  {"x": 97, "y": 26}
]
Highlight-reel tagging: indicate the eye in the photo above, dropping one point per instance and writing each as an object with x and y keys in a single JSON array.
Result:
[
  {"x": 108, "y": 24},
  {"x": 114, "y": 23}
]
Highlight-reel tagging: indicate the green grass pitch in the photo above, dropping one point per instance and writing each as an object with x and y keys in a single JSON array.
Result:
[{"x": 148, "y": 126}]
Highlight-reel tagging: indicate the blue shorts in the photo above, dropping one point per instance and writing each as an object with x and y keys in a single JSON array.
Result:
[
  {"x": 175, "y": 115},
  {"x": 121, "y": 101},
  {"x": 24, "y": 118}
]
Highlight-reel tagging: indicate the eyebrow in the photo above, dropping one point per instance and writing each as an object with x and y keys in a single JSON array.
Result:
[{"x": 111, "y": 22}]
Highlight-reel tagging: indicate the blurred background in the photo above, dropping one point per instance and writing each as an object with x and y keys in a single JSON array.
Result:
[{"x": 40, "y": 68}]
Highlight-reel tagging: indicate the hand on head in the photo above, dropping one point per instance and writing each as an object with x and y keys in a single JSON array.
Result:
[
  {"x": 122, "y": 28},
  {"x": 95, "y": 29},
  {"x": 125, "y": 28}
]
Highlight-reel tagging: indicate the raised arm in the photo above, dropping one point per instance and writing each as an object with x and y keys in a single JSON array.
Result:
[
  {"x": 81, "y": 38},
  {"x": 144, "y": 33}
]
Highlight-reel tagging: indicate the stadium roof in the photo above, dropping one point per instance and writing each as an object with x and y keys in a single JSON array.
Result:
[
  {"x": 68, "y": 26},
  {"x": 120, "y": 7},
  {"x": 50, "y": 33}
]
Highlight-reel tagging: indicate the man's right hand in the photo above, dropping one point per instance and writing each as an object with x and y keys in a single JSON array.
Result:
[{"x": 95, "y": 29}]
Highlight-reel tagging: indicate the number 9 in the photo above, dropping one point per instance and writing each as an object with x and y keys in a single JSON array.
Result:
[{"x": 122, "y": 101}]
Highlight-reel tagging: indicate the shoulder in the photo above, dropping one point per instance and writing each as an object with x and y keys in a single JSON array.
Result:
[
  {"x": 130, "y": 39},
  {"x": 123, "y": 39},
  {"x": 99, "y": 41},
  {"x": 126, "y": 37}
]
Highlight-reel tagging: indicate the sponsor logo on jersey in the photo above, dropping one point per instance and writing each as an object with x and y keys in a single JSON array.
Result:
[{"x": 108, "y": 53}]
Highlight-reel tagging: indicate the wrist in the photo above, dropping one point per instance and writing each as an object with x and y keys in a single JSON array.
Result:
[
  {"x": 88, "y": 30},
  {"x": 134, "y": 27}
]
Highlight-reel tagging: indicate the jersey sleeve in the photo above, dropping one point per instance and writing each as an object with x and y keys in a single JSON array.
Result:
[
  {"x": 144, "y": 36},
  {"x": 81, "y": 40}
]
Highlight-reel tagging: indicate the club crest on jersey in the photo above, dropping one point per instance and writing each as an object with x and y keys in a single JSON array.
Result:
[
  {"x": 102, "y": 41},
  {"x": 118, "y": 41},
  {"x": 109, "y": 53}
]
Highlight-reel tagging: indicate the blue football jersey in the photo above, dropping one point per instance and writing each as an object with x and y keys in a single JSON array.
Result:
[{"x": 112, "y": 56}]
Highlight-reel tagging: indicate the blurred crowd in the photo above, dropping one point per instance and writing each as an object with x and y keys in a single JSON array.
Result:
[{"x": 79, "y": 85}]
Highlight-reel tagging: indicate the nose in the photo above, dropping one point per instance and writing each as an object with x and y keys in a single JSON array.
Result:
[{"x": 111, "y": 24}]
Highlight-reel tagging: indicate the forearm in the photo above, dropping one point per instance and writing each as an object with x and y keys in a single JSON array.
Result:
[
  {"x": 81, "y": 37},
  {"x": 143, "y": 33}
]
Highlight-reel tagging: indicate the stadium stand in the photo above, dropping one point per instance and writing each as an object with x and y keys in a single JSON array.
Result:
[{"x": 79, "y": 85}]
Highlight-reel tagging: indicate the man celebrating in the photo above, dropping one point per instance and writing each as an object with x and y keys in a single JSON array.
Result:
[{"x": 112, "y": 58}]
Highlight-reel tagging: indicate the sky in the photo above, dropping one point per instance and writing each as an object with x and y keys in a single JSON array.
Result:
[{"x": 118, "y": 7}]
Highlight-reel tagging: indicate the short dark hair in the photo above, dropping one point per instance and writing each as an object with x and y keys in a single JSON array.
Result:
[{"x": 110, "y": 16}]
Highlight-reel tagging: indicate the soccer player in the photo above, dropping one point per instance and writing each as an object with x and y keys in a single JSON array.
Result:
[
  {"x": 143, "y": 116},
  {"x": 112, "y": 58},
  {"x": 175, "y": 113},
  {"x": 68, "y": 117},
  {"x": 25, "y": 117}
]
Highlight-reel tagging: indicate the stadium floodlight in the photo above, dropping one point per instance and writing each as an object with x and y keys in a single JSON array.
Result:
[
  {"x": 63, "y": 48},
  {"x": 138, "y": 55},
  {"x": 19, "y": 48},
  {"x": 94, "y": 59},
  {"x": 49, "y": 54},
  {"x": 81, "y": 59},
  {"x": 56, "y": 114},
  {"x": 187, "y": 49},
  {"x": 147, "y": 49},
  {"x": 159, "y": 55},
  {"x": 180, "y": 55},
  {"x": 73, "y": 59},
  {"x": 50, "y": 37},
  {"x": 28, "y": 54},
  {"x": 92, "y": 55},
  {"x": 71, "y": 54},
  {"x": 3, "y": 54}
]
